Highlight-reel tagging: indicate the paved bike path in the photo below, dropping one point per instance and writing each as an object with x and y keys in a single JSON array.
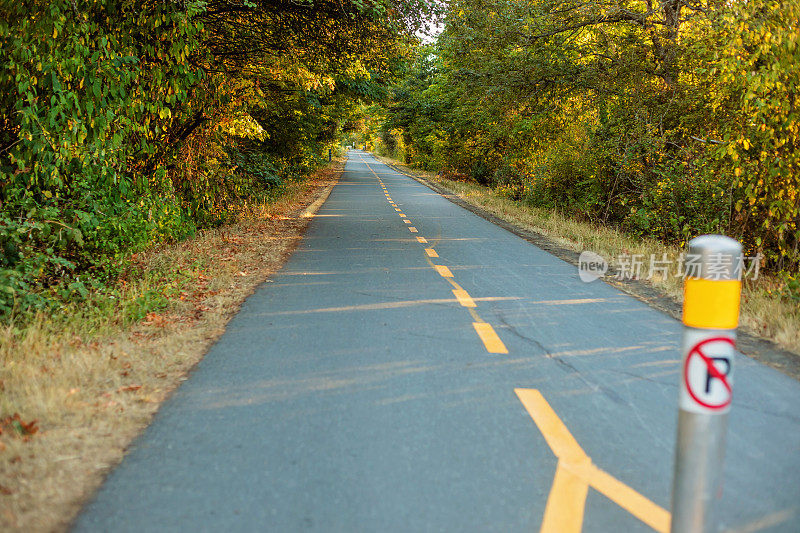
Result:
[{"x": 353, "y": 393}]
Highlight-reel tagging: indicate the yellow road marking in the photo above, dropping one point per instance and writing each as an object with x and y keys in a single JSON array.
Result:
[
  {"x": 490, "y": 339},
  {"x": 645, "y": 510},
  {"x": 464, "y": 298},
  {"x": 485, "y": 331},
  {"x": 564, "y": 510},
  {"x": 443, "y": 271},
  {"x": 575, "y": 469},
  {"x": 556, "y": 434}
]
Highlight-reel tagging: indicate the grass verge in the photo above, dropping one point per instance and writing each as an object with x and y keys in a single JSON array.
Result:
[
  {"x": 766, "y": 311},
  {"x": 78, "y": 385}
]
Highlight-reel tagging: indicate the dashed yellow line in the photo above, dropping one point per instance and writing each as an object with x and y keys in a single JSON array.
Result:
[
  {"x": 464, "y": 298},
  {"x": 485, "y": 331},
  {"x": 490, "y": 339},
  {"x": 443, "y": 271},
  {"x": 575, "y": 473}
]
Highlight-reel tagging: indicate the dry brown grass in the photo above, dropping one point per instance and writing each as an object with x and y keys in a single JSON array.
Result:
[
  {"x": 92, "y": 382},
  {"x": 764, "y": 312}
]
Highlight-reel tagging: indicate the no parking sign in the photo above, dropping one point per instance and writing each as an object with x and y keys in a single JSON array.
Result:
[{"x": 706, "y": 380}]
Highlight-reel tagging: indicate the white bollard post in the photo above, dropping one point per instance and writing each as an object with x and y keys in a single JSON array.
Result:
[{"x": 712, "y": 291}]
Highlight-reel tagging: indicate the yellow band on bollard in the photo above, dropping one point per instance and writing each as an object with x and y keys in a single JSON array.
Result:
[{"x": 712, "y": 304}]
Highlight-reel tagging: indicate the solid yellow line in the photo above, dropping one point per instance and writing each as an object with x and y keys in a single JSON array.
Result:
[
  {"x": 464, "y": 298},
  {"x": 553, "y": 430},
  {"x": 565, "y": 505},
  {"x": 443, "y": 271},
  {"x": 489, "y": 337},
  {"x": 431, "y": 252},
  {"x": 422, "y": 240},
  {"x": 412, "y": 229},
  {"x": 642, "y": 508}
]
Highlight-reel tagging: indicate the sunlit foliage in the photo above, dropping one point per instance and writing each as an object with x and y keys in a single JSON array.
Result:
[
  {"x": 125, "y": 123},
  {"x": 668, "y": 119}
]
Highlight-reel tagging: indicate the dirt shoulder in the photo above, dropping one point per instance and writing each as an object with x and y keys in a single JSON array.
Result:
[
  {"x": 82, "y": 398},
  {"x": 565, "y": 239}
]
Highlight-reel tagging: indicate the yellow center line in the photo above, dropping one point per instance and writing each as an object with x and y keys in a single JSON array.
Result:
[
  {"x": 575, "y": 473},
  {"x": 464, "y": 298},
  {"x": 485, "y": 331},
  {"x": 490, "y": 339},
  {"x": 443, "y": 271}
]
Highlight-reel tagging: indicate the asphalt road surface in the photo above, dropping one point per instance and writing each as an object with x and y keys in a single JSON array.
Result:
[{"x": 414, "y": 367}]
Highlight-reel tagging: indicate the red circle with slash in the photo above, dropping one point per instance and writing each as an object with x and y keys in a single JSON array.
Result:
[{"x": 713, "y": 372}]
